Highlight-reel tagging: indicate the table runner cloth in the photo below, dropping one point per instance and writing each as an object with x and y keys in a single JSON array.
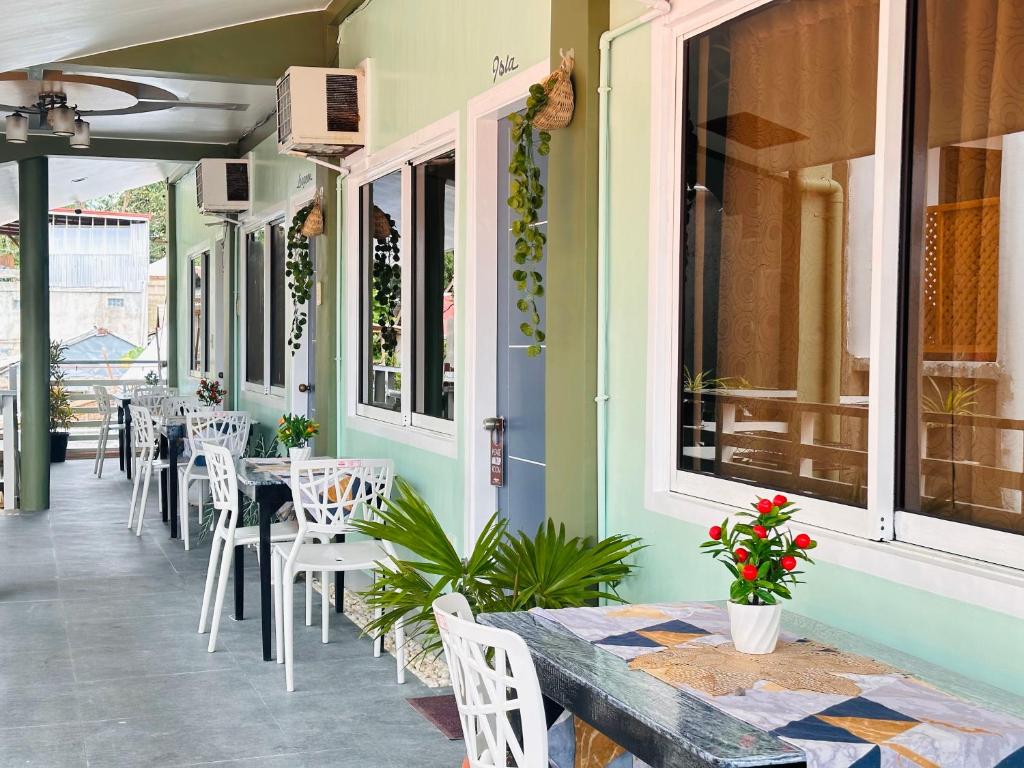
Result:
[{"x": 896, "y": 720}]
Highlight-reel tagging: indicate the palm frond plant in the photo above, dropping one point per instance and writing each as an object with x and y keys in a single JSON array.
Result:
[
  {"x": 958, "y": 401},
  {"x": 503, "y": 572}
]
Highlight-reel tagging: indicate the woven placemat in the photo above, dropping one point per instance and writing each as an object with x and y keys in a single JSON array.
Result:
[{"x": 721, "y": 669}]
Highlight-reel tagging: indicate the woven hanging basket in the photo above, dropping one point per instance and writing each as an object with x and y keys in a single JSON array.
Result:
[
  {"x": 314, "y": 223},
  {"x": 381, "y": 224},
  {"x": 557, "y": 112}
]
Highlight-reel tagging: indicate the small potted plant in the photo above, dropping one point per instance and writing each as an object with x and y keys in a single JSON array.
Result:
[
  {"x": 294, "y": 432},
  {"x": 762, "y": 555},
  {"x": 61, "y": 412},
  {"x": 210, "y": 392}
]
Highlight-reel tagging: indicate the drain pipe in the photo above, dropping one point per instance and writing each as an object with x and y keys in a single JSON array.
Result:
[{"x": 657, "y": 8}]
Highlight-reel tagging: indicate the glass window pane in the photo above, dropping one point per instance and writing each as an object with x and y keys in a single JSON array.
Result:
[
  {"x": 776, "y": 253},
  {"x": 254, "y": 306},
  {"x": 278, "y": 302},
  {"x": 197, "y": 315},
  {"x": 381, "y": 277},
  {"x": 435, "y": 287},
  {"x": 965, "y": 420}
]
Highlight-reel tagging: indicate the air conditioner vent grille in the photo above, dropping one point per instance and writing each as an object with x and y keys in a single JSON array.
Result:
[
  {"x": 199, "y": 187},
  {"x": 284, "y": 109},
  {"x": 342, "y": 103},
  {"x": 238, "y": 182}
]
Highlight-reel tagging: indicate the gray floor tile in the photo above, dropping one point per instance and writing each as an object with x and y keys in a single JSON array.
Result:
[{"x": 49, "y": 746}]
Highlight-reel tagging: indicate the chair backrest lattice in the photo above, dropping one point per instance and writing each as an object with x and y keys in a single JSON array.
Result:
[
  {"x": 220, "y": 465},
  {"x": 229, "y": 429},
  {"x": 105, "y": 403},
  {"x": 143, "y": 428},
  {"x": 153, "y": 402},
  {"x": 179, "y": 406},
  {"x": 496, "y": 689},
  {"x": 328, "y": 493}
]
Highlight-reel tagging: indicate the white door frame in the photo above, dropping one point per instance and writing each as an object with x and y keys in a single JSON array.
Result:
[
  {"x": 299, "y": 362},
  {"x": 481, "y": 280}
]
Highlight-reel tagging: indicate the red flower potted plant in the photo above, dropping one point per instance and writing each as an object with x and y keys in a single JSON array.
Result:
[
  {"x": 762, "y": 555},
  {"x": 210, "y": 392}
]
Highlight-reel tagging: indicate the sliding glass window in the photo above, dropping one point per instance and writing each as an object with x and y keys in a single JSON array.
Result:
[
  {"x": 255, "y": 306},
  {"x": 380, "y": 331},
  {"x": 964, "y": 264},
  {"x": 434, "y": 279},
  {"x": 278, "y": 304},
  {"x": 200, "y": 331},
  {"x": 779, "y": 142}
]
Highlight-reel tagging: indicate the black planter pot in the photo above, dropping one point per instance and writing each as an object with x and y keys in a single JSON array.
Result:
[{"x": 58, "y": 447}]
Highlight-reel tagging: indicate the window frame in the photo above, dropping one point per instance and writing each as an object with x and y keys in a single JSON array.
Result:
[
  {"x": 425, "y": 432},
  {"x": 201, "y": 255},
  {"x": 704, "y": 499},
  {"x": 266, "y": 224}
]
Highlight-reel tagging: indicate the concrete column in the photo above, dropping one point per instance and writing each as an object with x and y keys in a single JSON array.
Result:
[
  {"x": 33, "y": 183},
  {"x": 172, "y": 286}
]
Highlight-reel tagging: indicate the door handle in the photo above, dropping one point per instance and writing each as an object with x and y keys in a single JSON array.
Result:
[
  {"x": 494, "y": 422},
  {"x": 305, "y": 388}
]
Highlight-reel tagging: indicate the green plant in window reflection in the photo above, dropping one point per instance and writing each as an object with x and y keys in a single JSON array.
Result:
[
  {"x": 526, "y": 197},
  {"x": 704, "y": 381},
  {"x": 299, "y": 271},
  {"x": 958, "y": 401},
  {"x": 387, "y": 281}
]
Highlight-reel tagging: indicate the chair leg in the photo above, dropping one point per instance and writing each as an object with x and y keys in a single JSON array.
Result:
[
  {"x": 277, "y": 582},
  {"x": 211, "y": 574},
  {"x": 325, "y": 605},
  {"x": 104, "y": 437},
  {"x": 378, "y": 640},
  {"x": 400, "y": 650},
  {"x": 145, "y": 494},
  {"x": 184, "y": 513},
  {"x": 135, "y": 494},
  {"x": 309, "y": 600},
  {"x": 222, "y": 587},
  {"x": 289, "y": 628}
]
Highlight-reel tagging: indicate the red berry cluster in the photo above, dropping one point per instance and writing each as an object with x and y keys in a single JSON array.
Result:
[{"x": 761, "y": 554}]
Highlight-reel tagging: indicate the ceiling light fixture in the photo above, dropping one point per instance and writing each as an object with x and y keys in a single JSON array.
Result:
[
  {"x": 61, "y": 120},
  {"x": 16, "y": 128},
  {"x": 80, "y": 138}
]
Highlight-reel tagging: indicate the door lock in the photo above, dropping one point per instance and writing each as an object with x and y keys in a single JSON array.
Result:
[
  {"x": 494, "y": 422},
  {"x": 305, "y": 388}
]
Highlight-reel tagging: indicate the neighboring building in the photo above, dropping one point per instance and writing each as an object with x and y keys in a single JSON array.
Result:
[
  {"x": 156, "y": 287},
  {"x": 99, "y": 276}
]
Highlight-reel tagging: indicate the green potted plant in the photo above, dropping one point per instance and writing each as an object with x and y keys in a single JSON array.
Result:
[
  {"x": 294, "y": 432},
  {"x": 210, "y": 392},
  {"x": 762, "y": 556},
  {"x": 504, "y": 572},
  {"x": 61, "y": 413}
]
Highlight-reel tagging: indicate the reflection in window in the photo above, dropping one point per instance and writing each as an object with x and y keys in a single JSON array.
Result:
[
  {"x": 278, "y": 304},
  {"x": 776, "y": 254},
  {"x": 254, "y": 306},
  {"x": 381, "y": 291},
  {"x": 964, "y": 438},
  {"x": 434, "y": 357},
  {"x": 199, "y": 330}
]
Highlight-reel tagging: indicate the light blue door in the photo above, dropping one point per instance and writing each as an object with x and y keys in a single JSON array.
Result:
[{"x": 520, "y": 377}]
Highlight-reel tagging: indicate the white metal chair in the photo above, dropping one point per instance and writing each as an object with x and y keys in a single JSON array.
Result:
[
  {"x": 227, "y": 535},
  {"x": 326, "y": 494},
  {"x": 227, "y": 428},
  {"x": 493, "y": 677},
  {"x": 108, "y": 423},
  {"x": 144, "y": 451},
  {"x": 153, "y": 402}
]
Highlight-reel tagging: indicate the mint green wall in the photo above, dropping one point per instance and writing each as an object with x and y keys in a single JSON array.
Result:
[
  {"x": 275, "y": 182},
  {"x": 428, "y": 60},
  {"x": 976, "y": 642}
]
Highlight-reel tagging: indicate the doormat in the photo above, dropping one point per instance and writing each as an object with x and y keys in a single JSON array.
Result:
[{"x": 442, "y": 711}]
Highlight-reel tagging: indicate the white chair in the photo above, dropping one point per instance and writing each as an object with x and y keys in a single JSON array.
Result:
[
  {"x": 175, "y": 406},
  {"x": 108, "y": 423},
  {"x": 144, "y": 451},
  {"x": 227, "y": 428},
  {"x": 326, "y": 494},
  {"x": 493, "y": 677},
  {"x": 153, "y": 402},
  {"x": 227, "y": 535}
]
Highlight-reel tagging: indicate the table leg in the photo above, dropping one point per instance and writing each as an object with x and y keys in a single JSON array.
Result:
[
  {"x": 128, "y": 442},
  {"x": 339, "y": 583},
  {"x": 173, "y": 450},
  {"x": 266, "y": 511},
  {"x": 239, "y": 582},
  {"x": 120, "y": 437},
  {"x": 164, "y": 476}
]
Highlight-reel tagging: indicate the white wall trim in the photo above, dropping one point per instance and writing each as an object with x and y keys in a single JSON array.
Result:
[{"x": 479, "y": 375}]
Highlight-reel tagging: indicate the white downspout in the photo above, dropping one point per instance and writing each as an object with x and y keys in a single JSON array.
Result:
[{"x": 657, "y": 8}]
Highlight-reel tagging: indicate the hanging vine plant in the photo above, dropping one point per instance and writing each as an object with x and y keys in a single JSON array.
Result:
[
  {"x": 549, "y": 106},
  {"x": 299, "y": 271},
  {"x": 387, "y": 280}
]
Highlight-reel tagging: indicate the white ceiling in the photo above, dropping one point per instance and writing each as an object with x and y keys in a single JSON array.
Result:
[
  {"x": 35, "y": 32},
  {"x": 75, "y": 180}
]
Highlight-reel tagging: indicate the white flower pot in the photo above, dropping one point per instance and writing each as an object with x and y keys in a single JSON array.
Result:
[
  {"x": 300, "y": 454},
  {"x": 755, "y": 628}
]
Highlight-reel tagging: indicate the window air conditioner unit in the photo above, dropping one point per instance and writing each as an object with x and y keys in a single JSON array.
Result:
[
  {"x": 222, "y": 186},
  {"x": 321, "y": 111}
]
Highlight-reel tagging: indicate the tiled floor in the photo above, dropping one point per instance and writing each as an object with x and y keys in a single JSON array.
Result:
[{"x": 101, "y": 665}]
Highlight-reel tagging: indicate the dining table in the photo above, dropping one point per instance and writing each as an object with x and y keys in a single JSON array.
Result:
[{"x": 628, "y": 673}]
